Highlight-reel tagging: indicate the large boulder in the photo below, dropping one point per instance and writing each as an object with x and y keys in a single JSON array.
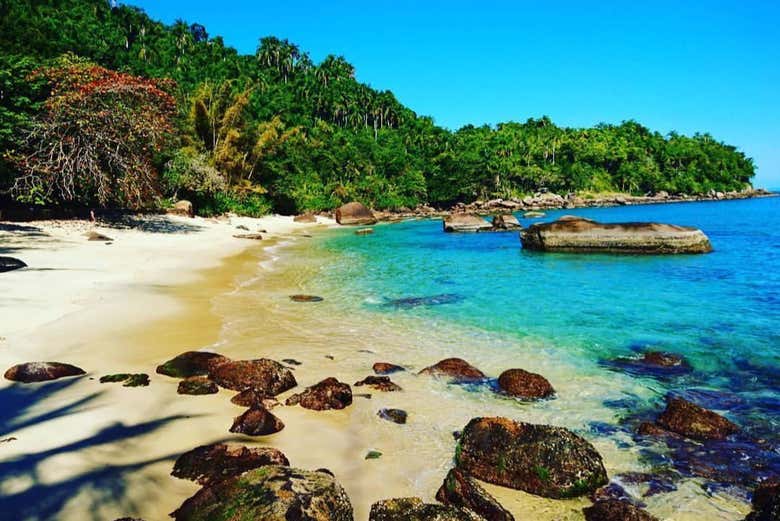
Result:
[
  {"x": 41, "y": 372},
  {"x": 270, "y": 493},
  {"x": 413, "y": 509},
  {"x": 191, "y": 363},
  {"x": 522, "y": 384},
  {"x": 766, "y": 502},
  {"x": 616, "y": 510},
  {"x": 327, "y": 394},
  {"x": 256, "y": 421},
  {"x": 462, "y": 491},
  {"x": 505, "y": 223},
  {"x": 457, "y": 369},
  {"x": 355, "y": 213},
  {"x": 210, "y": 464},
  {"x": 263, "y": 375},
  {"x": 183, "y": 208},
  {"x": 10, "y": 264},
  {"x": 693, "y": 421},
  {"x": 540, "y": 459},
  {"x": 585, "y": 236},
  {"x": 465, "y": 222}
]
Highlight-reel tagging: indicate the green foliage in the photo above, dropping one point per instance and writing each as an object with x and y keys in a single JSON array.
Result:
[{"x": 289, "y": 135}]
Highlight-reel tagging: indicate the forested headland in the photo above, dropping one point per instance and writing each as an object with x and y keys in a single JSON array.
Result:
[{"x": 102, "y": 106}]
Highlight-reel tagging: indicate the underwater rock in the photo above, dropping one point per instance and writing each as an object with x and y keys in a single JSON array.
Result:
[
  {"x": 540, "y": 459},
  {"x": 325, "y": 395},
  {"x": 433, "y": 300},
  {"x": 695, "y": 422}
]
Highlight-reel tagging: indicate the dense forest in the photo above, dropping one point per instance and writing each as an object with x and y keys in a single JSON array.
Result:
[{"x": 101, "y": 105}]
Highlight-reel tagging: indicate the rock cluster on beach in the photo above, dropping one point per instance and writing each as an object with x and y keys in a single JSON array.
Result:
[{"x": 579, "y": 235}]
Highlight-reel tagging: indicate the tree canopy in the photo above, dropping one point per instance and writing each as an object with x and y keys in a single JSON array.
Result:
[{"x": 276, "y": 131}]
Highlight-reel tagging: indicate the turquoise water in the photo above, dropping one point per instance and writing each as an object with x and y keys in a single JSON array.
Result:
[{"x": 720, "y": 311}]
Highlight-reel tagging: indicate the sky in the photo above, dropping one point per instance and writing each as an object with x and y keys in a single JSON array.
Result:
[{"x": 687, "y": 66}]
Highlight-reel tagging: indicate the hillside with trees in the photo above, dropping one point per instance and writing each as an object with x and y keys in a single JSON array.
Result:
[{"x": 102, "y": 106}]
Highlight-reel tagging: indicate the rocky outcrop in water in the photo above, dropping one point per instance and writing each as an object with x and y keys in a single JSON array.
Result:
[
  {"x": 540, "y": 459},
  {"x": 191, "y": 363},
  {"x": 457, "y": 369},
  {"x": 461, "y": 491},
  {"x": 263, "y": 375},
  {"x": 578, "y": 235},
  {"x": 327, "y": 394},
  {"x": 270, "y": 493},
  {"x": 658, "y": 364},
  {"x": 465, "y": 222},
  {"x": 615, "y": 510},
  {"x": 210, "y": 464},
  {"x": 355, "y": 213},
  {"x": 505, "y": 223},
  {"x": 10, "y": 264},
  {"x": 766, "y": 502},
  {"x": 379, "y": 383},
  {"x": 413, "y": 509},
  {"x": 256, "y": 421},
  {"x": 692, "y": 421},
  {"x": 41, "y": 372},
  {"x": 524, "y": 385}
]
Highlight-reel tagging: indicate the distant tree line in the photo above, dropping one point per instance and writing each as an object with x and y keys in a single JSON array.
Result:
[{"x": 102, "y": 105}]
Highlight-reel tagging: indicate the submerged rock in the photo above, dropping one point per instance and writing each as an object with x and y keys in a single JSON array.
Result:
[
  {"x": 393, "y": 415},
  {"x": 540, "y": 459},
  {"x": 387, "y": 368},
  {"x": 191, "y": 363},
  {"x": 327, "y": 394},
  {"x": 10, "y": 264},
  {"x": 413, "y": 509},
  {"x": 257, "y": 421},
  {"x": 433, "y": 300},
  {"x": 355, "y": 213},
  {"x": 614, "y": 510},
  {"x": 534, "y": 215},
  {"x": 306, "y": 298},
  {"x": 695, "y": 422},
  {"x": 461, "y": 491},
  {"x": 465, "y": 222},
  {"x": 506, "y": 222},
  {"x": 522, "y": 384},
  {"x": 380, "y": 383},
  {"x": 197, "y": 385},
  {"x": 263, "y": 375},
  {"x": 766, "y": 502},
  {"x": 364, "y": 231},
  {"x": 209, "y": 464},
  {"x": 585, "y": 236},
  {"x": 270, "y": 493},
  {"x": 130, "y": 380},
  {"x": 659, "y": 364},
  {"x": 41, "y": 372},
  {"x": 457, "y": 369}
]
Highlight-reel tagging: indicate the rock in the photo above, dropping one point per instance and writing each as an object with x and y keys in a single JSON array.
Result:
[
  {"x": 355, "y": 214},
  {"x": 461, "y": 491},
  {"x": 393, "y": 415},
  {"x": 506, "y": 222},
  {"x": 364, "y": 231},
  {"x": 380, "y": 383},
  {"x": 616, "y": 510},
  {"x": 197, "y": 385},
  {"x": 305, "y": 218},
  {"x": 263, "y": 375},
  {"x": 522, "y": 384},
  {"x": 291, "y": 361},
  {"x": 387, "y": 368},
  {"x": 95, "y": 236},
  {"x": 373, "y": 454},
  {"x": 10, "y": 264},
  {"x": 413, "y": 509},
  {"x": 663, "y": 359},
  {"x": 256, "y": 421},
  {"x": 242, "y": 227},
  {"x": 457, "y": 369},
  {"x": 766, "y": 502},
  {"x": 182, "y": 207},
  {"x": 433, "y": 300},
  {"x": 209, "y": 464},
  {"x": 659, "y": 364},
  {"x": 41, "y": 372},
  {"x": 693, "y": 421},
  {"x": 130, "y": 380},
  {"x": 586, "y": 236},
  {"x": 306, "y": 298},
  {"x": 270, "y": 493},
  {"x": 191, "y": 363},
  {"x": 534, "y": 215},
  {"x": 465, "y": 222},
  {"x": 254, "y": 398},
  {"x": 540, "y": 459},
  {"x": 250, "y": 236},
  {"x": 325, "y": 395}
]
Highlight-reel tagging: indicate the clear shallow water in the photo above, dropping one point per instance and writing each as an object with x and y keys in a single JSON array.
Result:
[{"x": 720, "y": 311}]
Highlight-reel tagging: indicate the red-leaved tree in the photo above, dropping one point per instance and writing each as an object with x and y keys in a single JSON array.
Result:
[{"x": 96, "y": 137}]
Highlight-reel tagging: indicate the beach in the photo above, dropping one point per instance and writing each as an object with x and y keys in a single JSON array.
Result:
[{"x": 84, "y": 447}]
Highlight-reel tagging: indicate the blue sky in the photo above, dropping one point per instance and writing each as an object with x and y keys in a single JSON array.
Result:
[{"x": 687, "y": 66}]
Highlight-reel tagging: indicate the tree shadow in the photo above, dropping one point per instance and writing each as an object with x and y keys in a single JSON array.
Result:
[
  {"x": 18, "y": 236},
  {"x": 149, "y": 224}
]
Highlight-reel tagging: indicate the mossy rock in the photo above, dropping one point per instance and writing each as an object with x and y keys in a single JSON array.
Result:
[
  {"x": 413, "y": 509},
  {"x": 191, "y": 363}
]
